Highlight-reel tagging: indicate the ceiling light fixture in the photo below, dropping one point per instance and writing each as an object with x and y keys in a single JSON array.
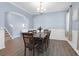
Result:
[{"x": 41, "y": 8}]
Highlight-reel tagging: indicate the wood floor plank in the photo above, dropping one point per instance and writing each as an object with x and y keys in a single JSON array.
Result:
[{"x": 15, "y": 47}]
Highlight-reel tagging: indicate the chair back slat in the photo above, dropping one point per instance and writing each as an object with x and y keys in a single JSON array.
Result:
[
  {"x": 45, "y": 31},
  {"x": 34, "y": 31},
  {"x": 27, "y": 37}
]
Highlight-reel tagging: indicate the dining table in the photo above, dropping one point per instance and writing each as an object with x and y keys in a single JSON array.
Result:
[
  {"x": 39, "y": 35},
  {"x": 40, "y": 38}
]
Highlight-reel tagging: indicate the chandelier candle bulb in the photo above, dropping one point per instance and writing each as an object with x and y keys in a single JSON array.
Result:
[{"x": 41, "y": 8}]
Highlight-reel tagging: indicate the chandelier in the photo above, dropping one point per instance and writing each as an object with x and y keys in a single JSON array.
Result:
[{"x": 41, "y": 8}]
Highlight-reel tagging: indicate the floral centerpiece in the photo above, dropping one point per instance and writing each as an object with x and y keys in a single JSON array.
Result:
[{"x": 40, "y": 29}]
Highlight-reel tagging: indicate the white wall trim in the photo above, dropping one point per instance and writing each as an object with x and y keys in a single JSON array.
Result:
[
  {"x": 59, "y": 39},
  {"x": 20, "y": 7},
  {"x": 2, "y": 38},
  {"x": 58, "y": 34},
  {"x": 72, "y": 47},
  {"x": 9, "y": 33},
  {"x": 16, "y": 13}
]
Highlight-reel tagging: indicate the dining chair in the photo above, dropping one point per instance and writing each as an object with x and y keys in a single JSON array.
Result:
[
  {"x": 30, "y": 31},
  {"x": 46, "y": 39},
  {"x": 28, "y": 42},
  {"x": 46, "y": 31},
  {"x": 34, "y": 31},
  {"x": 40, "y": 42}
]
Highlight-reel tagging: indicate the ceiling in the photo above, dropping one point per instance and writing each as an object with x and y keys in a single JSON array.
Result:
[{"x": 31, "y": 7}]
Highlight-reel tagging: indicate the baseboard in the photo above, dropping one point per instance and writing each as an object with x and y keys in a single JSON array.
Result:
[
  {"x": 2, "y": 47},
  {"x": 72, "y": 47},
  {"x": 15, "y": 36},
  {"x": 9, "y": 33},
  {"x": 58, "y": 39}
]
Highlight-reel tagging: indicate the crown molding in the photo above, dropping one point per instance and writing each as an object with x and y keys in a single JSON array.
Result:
[{"x": 20, "y": 7}]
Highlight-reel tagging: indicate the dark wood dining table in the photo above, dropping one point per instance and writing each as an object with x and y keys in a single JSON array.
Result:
[
  {"x": 39, "y": 35},
  {"x": 40, "y": 38}
]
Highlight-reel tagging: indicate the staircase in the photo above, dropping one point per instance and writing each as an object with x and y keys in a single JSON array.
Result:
[{"x": 7, "y": 36}]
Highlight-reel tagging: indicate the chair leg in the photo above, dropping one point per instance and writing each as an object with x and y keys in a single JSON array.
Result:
[
  {"x": 48, "y": 43},
  {"x": 33, "y": 51},
  {"x": 25, "y": 52},
  {"x": 45, "y": 46}
]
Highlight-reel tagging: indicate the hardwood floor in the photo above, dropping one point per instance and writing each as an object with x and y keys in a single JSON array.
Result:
[{"x": 15, "y": 47}]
